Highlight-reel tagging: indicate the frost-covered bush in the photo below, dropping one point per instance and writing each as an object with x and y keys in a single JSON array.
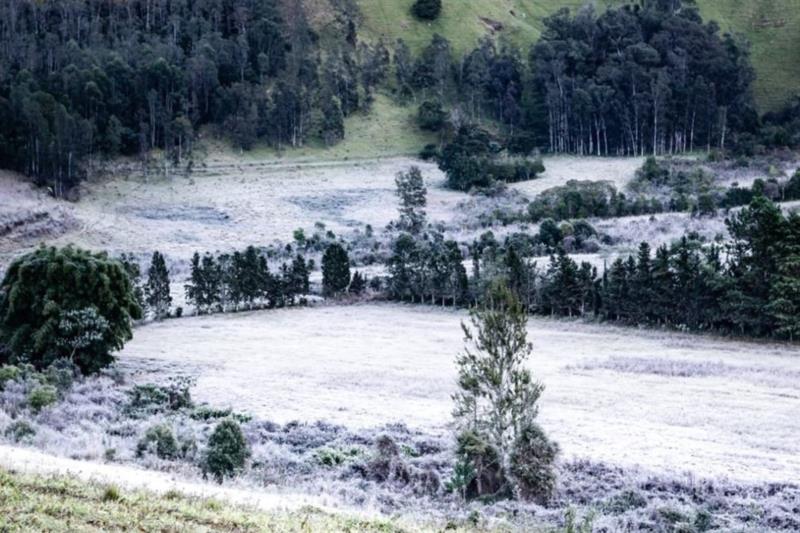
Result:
[
  {"x": 227, "y": 451},
  {"x": 19, "y": 431},
  {"x": 532, "y": 464},
  {"x": 151, "y": 399},
  {"x": 158, "y": 440},
  {"x": 41, "y": 397}
]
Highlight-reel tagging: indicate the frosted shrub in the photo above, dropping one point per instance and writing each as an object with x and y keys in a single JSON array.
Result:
[
  {"x": 19, "y": 431},
  {"x": 41, "y": 397},
  {"x": 158, "y": 440},
  {"x": 532, "y": 458}
]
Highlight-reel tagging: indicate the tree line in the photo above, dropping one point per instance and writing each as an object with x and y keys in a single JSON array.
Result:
[{"x": 750, "y": 286}]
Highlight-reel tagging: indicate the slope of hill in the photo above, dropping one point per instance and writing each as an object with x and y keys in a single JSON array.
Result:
[{"x": 772, "y": 26}]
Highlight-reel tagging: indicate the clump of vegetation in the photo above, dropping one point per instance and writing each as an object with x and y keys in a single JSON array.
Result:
[
  {"x": 66, "y": 303},
  {"x": 159, "y": 440},
  {"x": 19, "y": 431},
  {"x": 427, "y": 9},
  {"x": 495, "y": 406},
  {"x": 149, "y": 399},
  {"x": 227, "y": 451},
  {"x": 431, "y": 116},
  {"x": 41, "y": 397},
  {"x": 584, "y": 199},
  {"x": 472, "y": 160}
]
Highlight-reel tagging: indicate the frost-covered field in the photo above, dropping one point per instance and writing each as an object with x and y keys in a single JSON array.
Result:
[{"x": 667, "y": 402}]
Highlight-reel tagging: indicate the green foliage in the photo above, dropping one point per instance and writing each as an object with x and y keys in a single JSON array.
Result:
[
  {"x": 159, "y": 440},
  {"x": 227, "y": 451},
  {"x": 411, "y": 191},
  {"x": 584, "y": 199},
  {"x": 41, "y": 397},
  {"x": 431, "y": 116},
  {"x": 157, "y": 290},
  {"x": 66, "y": 303},
  {"x": 495, "y": 405},
  {"x": 8, "y": 373},
  {"x": 427, "y": 9},
  {"x": 19, "y": 431},
  {"x": 335, "y": 270},
  {"x": 532, "y": 464},
  {"x": 150, "y": 399}
]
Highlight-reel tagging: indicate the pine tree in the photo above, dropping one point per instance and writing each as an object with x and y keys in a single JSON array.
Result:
[
  {"x": 335, "y": 270},
  {"x": 157, "y": 290},
  {"x": 497, "y": 397},
  {"x": 413, "y": 198},
  {"x": 358, "y": 284}
]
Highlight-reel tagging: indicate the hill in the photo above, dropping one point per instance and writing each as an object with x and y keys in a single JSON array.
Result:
[{"x": 772, "y": 26}]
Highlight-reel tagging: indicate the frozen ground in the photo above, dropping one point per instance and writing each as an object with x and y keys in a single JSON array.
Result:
[
  {"x": 229, "y": 203},
  {"x": 667, "y": 402}
]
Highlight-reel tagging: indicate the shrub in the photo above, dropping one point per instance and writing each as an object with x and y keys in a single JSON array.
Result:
[
  {"x": 427, "y": 9},
  {"x": 42, "y": 396},
  {"x": 19, "y": 431},
  {"x": 431, "y": 116},
  {"x": 159, "y": 440},
  {"x": 61, "y": 374},
  {"x": 151, "y": 399},
  {"x": 227, "y": 451},
  {"x": 66, "y": 303},
  {"x": 532, "y": 458},
  {"x": 486, "y": 476},
  {"x": 111, "y": 494},
  {"x": 387, "y": 465},
  {"x": 429, "y": 152},
  {"x": 8, "y": 373}
]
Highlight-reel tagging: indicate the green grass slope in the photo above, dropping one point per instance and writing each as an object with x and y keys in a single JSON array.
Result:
[{"x": 772, "y": 26}]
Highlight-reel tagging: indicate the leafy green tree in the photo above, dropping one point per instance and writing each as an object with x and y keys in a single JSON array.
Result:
[
  {"x": 335, "y": 270},
  {"x": 66, "y": 303},
  {"x": 497, "y": 395},
  {"x": 157, "y": 289}
]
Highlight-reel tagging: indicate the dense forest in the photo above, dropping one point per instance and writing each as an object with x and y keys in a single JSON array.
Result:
[
  {"x": 82, "y": 80},
  {"x": 86, "y": 77}
]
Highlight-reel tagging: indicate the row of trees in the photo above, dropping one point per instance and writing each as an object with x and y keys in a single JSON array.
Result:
[{"x": 748, "y": 287}]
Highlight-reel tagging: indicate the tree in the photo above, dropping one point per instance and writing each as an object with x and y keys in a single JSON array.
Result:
[
  {"x": 497, "y": 395},
  {"x": 157, "y": 291},
  {"x": 227, "y": 450},
  {"x": 427, "y": 9},
  {"x": 335, "y": 270},
  {"x": 203, "y": 289},
  {"x": 413, "y": 198},
  {"x": 66, "y": 303}
]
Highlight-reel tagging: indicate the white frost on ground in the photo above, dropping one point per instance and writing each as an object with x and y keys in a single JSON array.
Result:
[
  {"x": 133, "y": 478},
  {"x": 366, "y": 365}
]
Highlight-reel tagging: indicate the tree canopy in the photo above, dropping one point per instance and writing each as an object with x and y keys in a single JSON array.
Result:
[{"x": 66, "y": 303}]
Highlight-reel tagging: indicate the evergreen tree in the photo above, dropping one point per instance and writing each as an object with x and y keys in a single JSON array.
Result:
[
  {"x": 335, "y": 270},
  {"x": 157, "y": 289},
  {"x": 427, "y": 9},
  {"x": 412, "y": 194},
  {"x": 497, "y": 396},
  {"x": 358, "y": 284}
]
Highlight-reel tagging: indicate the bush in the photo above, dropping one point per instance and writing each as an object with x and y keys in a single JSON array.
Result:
[
  {"x": 42, "y": 396},
  {"x": 427, "y": 9},
  {"x": 150, "y": 399},
  {"x": 19, "y": 431},
  {"x": 66, "y": 303},
  {"x": 431, "y": 116},
  {"x": 227, "y": 451},
  {"x": 8, "y": 373},
  {"x": 532, "y": 458},
  {"x": 159, "y": 440},
  {"x": 484, "y": 472}
]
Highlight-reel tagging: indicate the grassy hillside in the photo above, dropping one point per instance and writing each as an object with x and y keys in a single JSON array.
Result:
[
  {"x": 772, "y": 26},
  {"x": 47, "y": 503}
]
